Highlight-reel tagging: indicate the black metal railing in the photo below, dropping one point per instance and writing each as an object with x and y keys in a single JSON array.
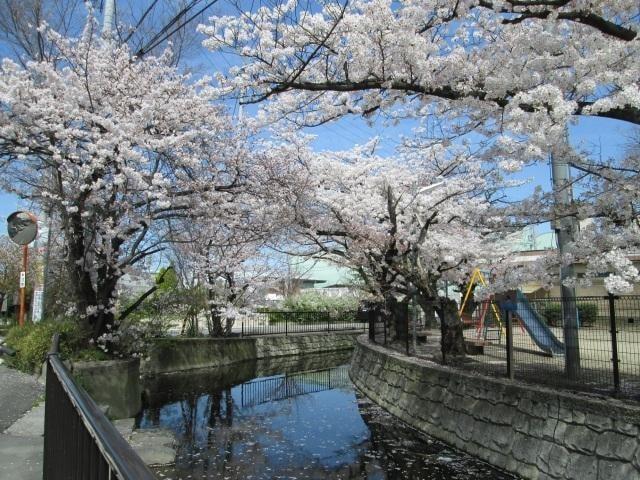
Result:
[
  {"x": 288, "y": 322},
  {"x": 526, "y": 339},
  {"x": 79, "y": 441}
]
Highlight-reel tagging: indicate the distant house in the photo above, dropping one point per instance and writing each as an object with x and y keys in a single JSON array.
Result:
[
  {"x": 312, "y": 275},
  {"x": 530, "y": 247}
]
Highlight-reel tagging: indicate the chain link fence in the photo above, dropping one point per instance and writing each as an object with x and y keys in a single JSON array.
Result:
[{"x": 588, "y": 344}]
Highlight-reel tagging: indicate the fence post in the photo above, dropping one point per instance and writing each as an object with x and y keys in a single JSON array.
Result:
[
  {"x": 383, "y": 315},
  {"x": 286, "y": 324},
  {"x": 328, "y": 322},
  {"x": 444, "y": 358},
  {"x": 510, "y": 372},
  {"x": 372, "y": 333},
  {"x": 614, "y": 343},
  {"x": 242, "y": 329}
]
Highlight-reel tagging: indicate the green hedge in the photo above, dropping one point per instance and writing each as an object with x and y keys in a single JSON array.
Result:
[
  {"x": 310, "y": 317},
  {"x": 316, "y": 302},
  {"x": 33, "y": 341},
  {"x": 587, "y": 312}
]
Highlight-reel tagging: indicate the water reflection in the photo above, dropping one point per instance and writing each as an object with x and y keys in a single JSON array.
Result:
[{"x": 299, "y": 424}]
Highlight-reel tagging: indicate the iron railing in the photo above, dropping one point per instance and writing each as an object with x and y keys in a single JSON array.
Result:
[
  {"x": 79, "y": 441},
  {"x": 525, "y": 339},
  {"x": 287, "y": 322}
]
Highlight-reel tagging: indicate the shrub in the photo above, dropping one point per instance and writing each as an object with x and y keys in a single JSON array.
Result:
[
  {"x": 553, "y": 314},
  {"x": 132, "y": 338},
  {"x": 587, "y": 313},
  {"x": 316, "y": 302},
  {"x": 32, "y": 342}
]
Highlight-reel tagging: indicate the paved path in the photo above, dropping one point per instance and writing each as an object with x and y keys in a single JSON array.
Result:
[
  {"x": 21, "y": 426},
  {"x": 18, "y": 393}
]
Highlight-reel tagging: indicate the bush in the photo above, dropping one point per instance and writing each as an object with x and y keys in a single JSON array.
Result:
[
  {"x": 132, "y": 338},
  {"x": 553, "y": 314},
  {"x": 587, "y": 313},
  {"x": 313, "y": 307},
  {"x": 33, "y": 341},
  {"x": 316, "y": 302}
]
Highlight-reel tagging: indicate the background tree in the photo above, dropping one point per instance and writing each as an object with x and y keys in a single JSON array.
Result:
[{"x": 10, "y": 268}]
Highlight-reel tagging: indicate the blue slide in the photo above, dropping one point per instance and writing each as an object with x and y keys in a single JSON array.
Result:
[{"x": 540, "y": 332}]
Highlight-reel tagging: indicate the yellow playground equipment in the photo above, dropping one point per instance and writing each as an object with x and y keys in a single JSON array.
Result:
[{"x": 478, "y": 278}]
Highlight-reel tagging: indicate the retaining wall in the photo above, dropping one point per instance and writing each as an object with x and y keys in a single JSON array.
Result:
[
  {"x": 114, "y": 384},
  {"x": 535, "y": 432},
  {"x": 177, "y": 354}
]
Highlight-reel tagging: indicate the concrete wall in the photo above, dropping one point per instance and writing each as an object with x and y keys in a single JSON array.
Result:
[
  {"x": 535, "y": 432},
  {"x": 114, "y": 384},
  {"x": 177, "y": 354},
  {"x": 158, "y": 390}
]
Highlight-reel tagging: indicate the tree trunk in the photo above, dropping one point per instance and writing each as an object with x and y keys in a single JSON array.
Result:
[
  {"x": 452, "y": 341},
  {"x": 427, "y": 305},
  {"x": 216, "y": 328}
]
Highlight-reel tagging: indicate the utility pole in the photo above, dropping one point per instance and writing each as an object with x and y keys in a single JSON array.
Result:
[
  {"x": 566, "y": 228},
  {"x": 108, "y": 18}
]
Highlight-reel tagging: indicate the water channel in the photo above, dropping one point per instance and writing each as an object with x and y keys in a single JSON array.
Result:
[{"x": 293, "y": 418}]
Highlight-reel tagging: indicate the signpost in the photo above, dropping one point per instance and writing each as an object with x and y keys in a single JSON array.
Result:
[{"x": 22, "y": 228}]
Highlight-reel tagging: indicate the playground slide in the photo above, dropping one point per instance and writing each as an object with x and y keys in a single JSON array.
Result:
[{"x": 540, "y": 333}]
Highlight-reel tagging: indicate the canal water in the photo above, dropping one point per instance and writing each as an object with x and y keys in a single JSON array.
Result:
[{"x": 295, "y": 418}]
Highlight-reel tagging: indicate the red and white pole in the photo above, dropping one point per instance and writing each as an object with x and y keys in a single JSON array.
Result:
[{"x": 23, "y": 284}]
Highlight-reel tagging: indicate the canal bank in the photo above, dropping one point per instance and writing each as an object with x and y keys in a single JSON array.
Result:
[
  {"x": 532, "y": 431},
  {"x": 180, "y": 354}
]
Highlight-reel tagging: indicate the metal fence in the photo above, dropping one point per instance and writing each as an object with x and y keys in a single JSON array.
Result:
[
  {"x": 287, "y": 322},
  {"x": 597, "y": 350},
  {"x": 79, "y": 441}
]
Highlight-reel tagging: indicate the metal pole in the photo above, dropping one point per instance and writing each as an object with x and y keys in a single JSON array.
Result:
[
  {"x": 406, "y": 330},
  {"x": 614, "y": 344},
  {"x": 23, "y": 284},
  {"x": 444, "y": 359},
  {"x": 46, "y": 273},
  {"x": 107, "y": 19},
  {"x": 565, "y": 229},
  {"x": 510, "y": 372},
  {"x": 414, "y": 318}
]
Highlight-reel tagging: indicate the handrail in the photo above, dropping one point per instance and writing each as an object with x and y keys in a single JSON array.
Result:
[{"x": 89, "y": 448}]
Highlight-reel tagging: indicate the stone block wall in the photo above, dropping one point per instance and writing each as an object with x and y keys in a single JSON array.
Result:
[
  {"x": 177, "y": 354},
  {"x": 535, "y": 432}
]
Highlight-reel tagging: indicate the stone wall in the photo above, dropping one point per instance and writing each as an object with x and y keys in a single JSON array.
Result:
[
  {"x": 177, "y": 354},
  {"x": 535, "y": 432}
]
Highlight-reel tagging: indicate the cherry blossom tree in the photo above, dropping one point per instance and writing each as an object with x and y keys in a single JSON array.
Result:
[
  {"x": 405, "y": 222},
  {"x": 114, "y": 147},
  {"x": 228, "y": 264},
  {"x": 439, "y": 57},
  {"x": 515, "y": 73}
]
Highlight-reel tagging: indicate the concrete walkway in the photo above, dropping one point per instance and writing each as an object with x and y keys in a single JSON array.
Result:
[{"x": 21, "y": 424}]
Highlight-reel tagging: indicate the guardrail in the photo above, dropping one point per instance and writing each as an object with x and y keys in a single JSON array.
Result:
[{"x": 80, "y": 443}]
